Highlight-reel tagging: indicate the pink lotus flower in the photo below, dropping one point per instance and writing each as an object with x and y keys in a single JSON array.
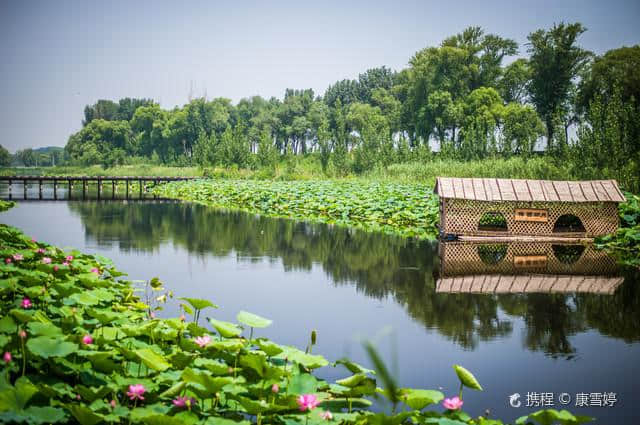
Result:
[
  {"x": 326, "y": 415},
  {"x": 8, "y": 261},
  {"x": 18, "y": 257},
  {"x": 275, "y": 388},
  {"x": 95, "y": 270},
  {"x": 453, "y": 403},
  {"x": 40, "y": 250},
  {"x": 7, "y": 357},
  {"x": 184, "y": 402},
  {"x": 202, "y": 341},
  {"x": 69, "y": 258},
  {"x": 65, "y": 263},
  {"x": 78, "y": 397},
  {"x": 152, "y": 315},
  {"x": 46, "y": 260},
  {"x": 113, "y": 404},
  {"x": 182, "y": 318},
  {"x": 136, "y": 391},
  {"x": 26, "y": 303},
  {"x": 33, "y": 240},
  {"x": 307, "y": 402},
  {"x": 22, "y": 334},
  {"x": 56, "y": 268},
  {"x": 87, "y": 339}
]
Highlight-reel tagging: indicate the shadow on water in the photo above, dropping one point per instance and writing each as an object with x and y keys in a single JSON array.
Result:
[{"x": 467, "y": 292}]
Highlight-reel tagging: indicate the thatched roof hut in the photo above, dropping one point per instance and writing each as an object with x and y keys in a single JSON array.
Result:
[{"x": 510, "y": 207}]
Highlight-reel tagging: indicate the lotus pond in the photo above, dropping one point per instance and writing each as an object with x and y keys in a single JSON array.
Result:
[{"x": 345, "y": 284}]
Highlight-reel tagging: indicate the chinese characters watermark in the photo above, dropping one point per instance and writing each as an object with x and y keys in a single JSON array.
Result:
[{"x": 549, "y": 399}]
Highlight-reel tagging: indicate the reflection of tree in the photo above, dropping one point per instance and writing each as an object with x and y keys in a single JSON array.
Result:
[
  {"x": 616, "y": 315},
  {"x": 378, "y": 265},
  {"x": 550, "y": 320}
]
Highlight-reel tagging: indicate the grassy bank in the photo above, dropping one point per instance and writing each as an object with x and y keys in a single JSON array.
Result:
[
  {"x": 97, "y": 170},
  {"x": 83, "y": 346},
  {"x": 309, "y": 168}
]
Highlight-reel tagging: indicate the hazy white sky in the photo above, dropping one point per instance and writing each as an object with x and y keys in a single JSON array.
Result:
[{"x": 58, "y": 56}]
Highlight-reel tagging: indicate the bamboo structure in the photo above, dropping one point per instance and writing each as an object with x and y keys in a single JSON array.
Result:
[{"x": 527, "y": 208}]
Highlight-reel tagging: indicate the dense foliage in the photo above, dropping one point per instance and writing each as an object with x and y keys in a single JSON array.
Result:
[
  {"x": 464, "y": 99},
  {"x": 80, "y": 345},
  {"x": 625, "y": 243},
  {"x": 405, "y": 209}
]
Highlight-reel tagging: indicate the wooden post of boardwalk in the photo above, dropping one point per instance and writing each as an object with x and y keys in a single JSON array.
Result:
[
  {"x": 99, "y": 188},
  {"x": 140, "y": 187},
  {"x": 9, "y": 189},
  {"x": 69, "y": 189},
  {"x": 24, "y": 188},
  {"x": 84, "y": 188},
  {"x": 40, "y": 189},
  {"x": 113, "y": 189},
  {"x": 126, "y": 185},
  {"x": 55, "y": 189}
]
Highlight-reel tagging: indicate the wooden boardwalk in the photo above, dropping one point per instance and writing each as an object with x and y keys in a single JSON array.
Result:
[{"x": 143, "y": 182}]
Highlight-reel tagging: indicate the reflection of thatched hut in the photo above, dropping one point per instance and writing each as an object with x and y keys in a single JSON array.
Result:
[
  {"x": 508, "y": 207},
  {"x": 506, "y": 284},
  {"x": 525, "y": 267}
]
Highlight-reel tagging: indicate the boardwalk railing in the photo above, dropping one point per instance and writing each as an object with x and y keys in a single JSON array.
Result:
[{"x": 144, "y": 182}]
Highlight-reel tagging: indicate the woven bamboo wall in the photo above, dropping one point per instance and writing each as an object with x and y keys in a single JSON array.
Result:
[
  {"x": 461, "y": 217},
  {"x": 463, "y": 258}
]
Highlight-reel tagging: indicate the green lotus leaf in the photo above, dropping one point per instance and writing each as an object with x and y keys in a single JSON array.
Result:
[
  {"x": 15, "y": 398},
  {"x": 268, "y": 347},
  {"x": 223, "y": 421},
  {"x": 8, "y": 325},
  {"x": 303, "y": 383},
  {"x": 198, "y": 304},
  {"x": 352, "y": 381},
  {"x": 310, "y": 361},
  {"x": 253, "y": 320},
  {"x": 85, "y": 298},
  {"x": 45, "y": 346},
  {"x": 216, "y": 367},
  {"x": 23, "y": 316},
  {"x": 354, "y": 367},
  {"x": 231, "y": 345},
  {"x": 44, "y": 329},
  {"x": 419, "y": 399},
  {"x": 225, "y": 329},
  {"x": 152, "y": 360}
]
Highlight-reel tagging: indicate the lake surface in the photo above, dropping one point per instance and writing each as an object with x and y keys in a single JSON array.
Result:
[{"x": 351, "y": 285}]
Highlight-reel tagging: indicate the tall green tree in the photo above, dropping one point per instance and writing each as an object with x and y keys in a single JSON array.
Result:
[
  {"x": 555, "y": 62},
  {"x": 514, "y": 81},
  {"x": 521, "y": 129},
  {"x": 5, "y": 157}
]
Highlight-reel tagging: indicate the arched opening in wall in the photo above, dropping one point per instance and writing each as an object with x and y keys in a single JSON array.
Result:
[
  {"x": 568, "y": 223},
  {"x": 492, "y": 254},
  {"x": 493, "y": 221},
  {"x": 567, "y": 254}
]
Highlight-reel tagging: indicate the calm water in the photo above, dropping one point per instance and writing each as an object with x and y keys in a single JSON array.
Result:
[{"x": 351, "y": 285}]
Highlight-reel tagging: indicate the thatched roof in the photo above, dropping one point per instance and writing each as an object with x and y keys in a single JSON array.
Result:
[{"x": 478, "y": 189}]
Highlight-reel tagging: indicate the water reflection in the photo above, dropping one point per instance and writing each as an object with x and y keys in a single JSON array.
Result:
[{"x": 474, "y": 296}]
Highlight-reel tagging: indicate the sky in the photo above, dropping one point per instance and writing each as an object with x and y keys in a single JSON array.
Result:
[{"x": 58, "y": 56}]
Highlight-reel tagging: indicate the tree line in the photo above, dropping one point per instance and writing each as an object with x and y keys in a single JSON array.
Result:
[{"x": 467, "y": 98}]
